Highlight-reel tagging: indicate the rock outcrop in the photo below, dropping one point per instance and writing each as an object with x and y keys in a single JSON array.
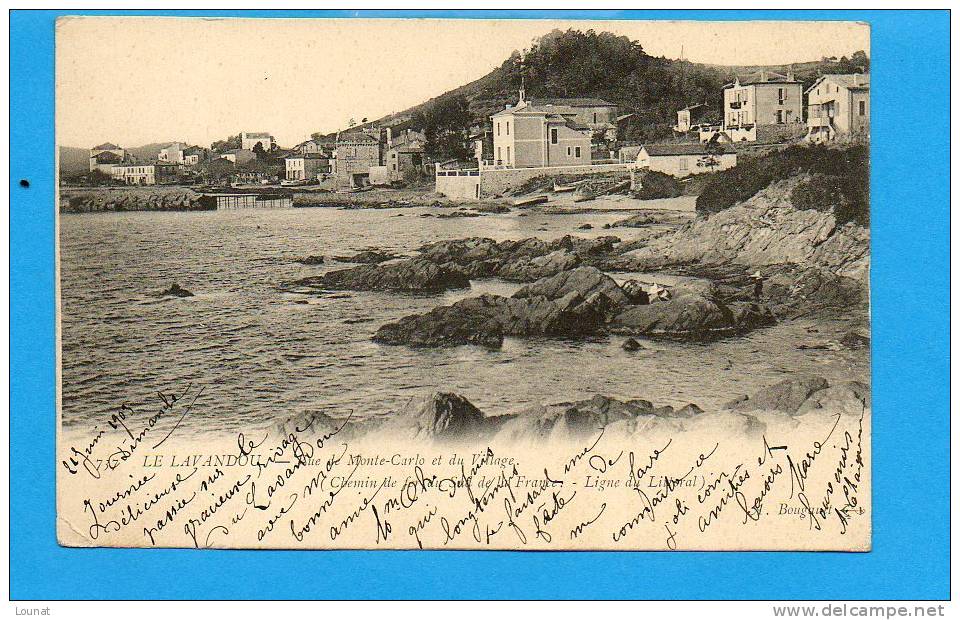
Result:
[
  {"x": 367, "y": 257},
  {"x": 450, "y": 417},
  {"x": 175, "y": 290},
  {"x": 443, "y": 416},
  {"x": 574, "y": 303},
  {"x": 798, "y": 396},
  {"x": 131, "y": 199},
  {"x": 525, "y": 260},
  {"x": 584, "y": 280},
  {"x": 691, "y": 315},
  {"x": 764, "y": 230},
  {"x": 486, "y": 319},
  {"x": 311, "y": 260},
  {"x": 414, "y": 275},
  {"x": 578, "y": 303}
]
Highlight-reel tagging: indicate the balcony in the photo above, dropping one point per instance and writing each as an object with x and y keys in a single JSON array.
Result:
[
  {"x": 736, "y": 105},
  {"x": 820, "y": 120}
]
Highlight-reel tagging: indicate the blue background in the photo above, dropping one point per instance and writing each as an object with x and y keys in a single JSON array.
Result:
[{"x": 910, "y": 236}]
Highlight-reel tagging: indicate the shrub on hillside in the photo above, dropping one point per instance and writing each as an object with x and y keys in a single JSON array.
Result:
[
  {"x": 831, "y": 193},
  {"x": 850, "y": 167},
  {"x": 655, "y": 185}
]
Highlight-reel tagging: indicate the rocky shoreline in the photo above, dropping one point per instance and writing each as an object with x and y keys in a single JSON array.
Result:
[
  {"x": 451, "y": 417},
  {"x": 810, "y": 266}
]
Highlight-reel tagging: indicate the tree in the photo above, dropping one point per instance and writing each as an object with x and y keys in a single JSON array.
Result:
[
  {"x": 352, "y": 123},
  {"x": 222, "y": 146},
  {"x": 860, "y": 59},
  {"x": 446, "y": 128},
  {"x": 259, "y": 151},
  {"x": 711, "y": 159}
]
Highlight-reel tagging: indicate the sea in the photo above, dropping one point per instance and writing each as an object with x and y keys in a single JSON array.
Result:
[{"x": 261, "y": 354}]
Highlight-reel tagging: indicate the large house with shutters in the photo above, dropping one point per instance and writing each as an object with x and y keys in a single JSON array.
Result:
[
  {"x": 838, "y": 105},
  {"x": 763, "y": 106},
  {"x": 530, "y": 135}
]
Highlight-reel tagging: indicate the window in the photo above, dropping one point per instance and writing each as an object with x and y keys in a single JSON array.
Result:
[
  {"x": 594, "y": 118},
  {"x": 499, "y": 154},
  {"x": 508, "y": 128},
  {"x": 577, "y": 154},
  {"x": 862, "y": 105},
  {"x": 683, "y": 164},
  {"x": 508, "y": 154},
  {"x": 568, "y": 151},
  {"x": 553, "y": 136},
  {"x": 779, "y": 117},
  {"x": 498, "y": 129},
  {"x": 781, "y": 95}
]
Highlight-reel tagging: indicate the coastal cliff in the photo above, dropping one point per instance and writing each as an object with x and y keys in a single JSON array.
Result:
[{"x": 762, "y": 231}]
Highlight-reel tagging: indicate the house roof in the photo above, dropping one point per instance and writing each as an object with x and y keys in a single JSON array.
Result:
[
  {"x": 107, "y": 158},
  {"x": 659, "y": 150},
  {"x": 573, "y": 102},
  {"x": 578, "y": 126},
  {"x": 528, "y": 107},
  {"x": 256, "y": 135},
  {"x": 764, "y": 77},
  {"x": 694, "y": 107},
  {"x": 192, "y": 150},
  {"x": 357, "y": 138},
  {"x": 106, "y": 146},
  {"x": 851, "y": 81}
]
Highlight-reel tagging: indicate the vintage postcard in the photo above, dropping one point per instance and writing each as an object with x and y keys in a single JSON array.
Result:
[{"x": 463, "y": 284}]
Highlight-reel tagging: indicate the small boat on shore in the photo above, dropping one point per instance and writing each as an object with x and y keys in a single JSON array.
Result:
[
  {"x": 559, "y": 189},
  {"x": 530, "y": 200}
]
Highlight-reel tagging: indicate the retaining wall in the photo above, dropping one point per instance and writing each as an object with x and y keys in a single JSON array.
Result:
[
  {"x": 464, "y": 184},
  {"x": 495, "y": 182}
]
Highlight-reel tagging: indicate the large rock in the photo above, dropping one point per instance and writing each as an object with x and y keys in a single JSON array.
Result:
[
  {"x": 584, "y": 280},
  {"x": 486, "y": 319},
  {"x": 368, "y": 257},
  {"x": 850, "y": 398},
  {"x": 414, "y": 275},
  {"x": 524, "y": 260},
  {"x": 442, "y": 416},
  {"x": 786, "y": 396},
  {"x": 445, "y": 326},
  {"x": 175, "y": 290},
  {"x": 526, "y": 269},
  {"x": 686, "y": 314}
]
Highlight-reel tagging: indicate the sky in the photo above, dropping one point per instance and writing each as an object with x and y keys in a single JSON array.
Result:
[{"x": 136, "y": 80}]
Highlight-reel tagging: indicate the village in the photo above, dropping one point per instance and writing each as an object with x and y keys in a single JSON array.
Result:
[{"x": 562, "y": 142}]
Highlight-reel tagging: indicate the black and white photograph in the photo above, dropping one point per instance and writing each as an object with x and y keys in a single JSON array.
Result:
[{"x": 463, "y": 284}]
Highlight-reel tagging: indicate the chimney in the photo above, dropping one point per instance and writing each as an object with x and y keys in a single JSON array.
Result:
[{"x": 790, "y": 76}]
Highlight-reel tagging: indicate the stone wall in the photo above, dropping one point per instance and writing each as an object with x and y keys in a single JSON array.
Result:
[
  {"x": 463, "y": 184},
  {"x": 496, "y": 182}
]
